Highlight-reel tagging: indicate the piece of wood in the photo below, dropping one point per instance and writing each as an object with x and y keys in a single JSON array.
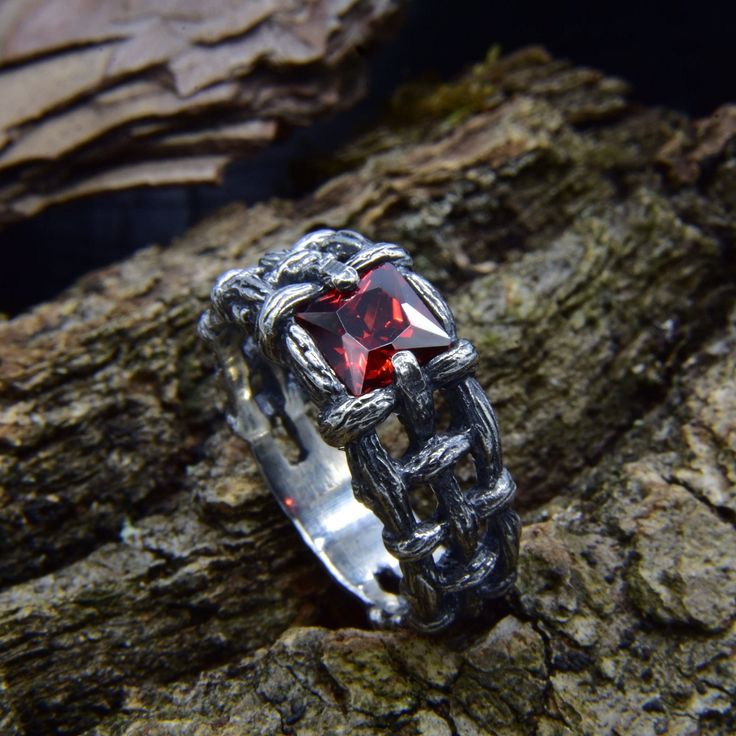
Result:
[
  {"x": 80, "y": 81},
  {"x": 152, "y": 586}
]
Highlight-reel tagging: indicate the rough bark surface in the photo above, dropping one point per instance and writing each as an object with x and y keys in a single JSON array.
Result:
[
  {"x": 99, "y": 95},
  {"x": 151, "y": 586}
]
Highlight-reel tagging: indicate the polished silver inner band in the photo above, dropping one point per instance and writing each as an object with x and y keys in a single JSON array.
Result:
[{"x": 316, "y": 490}]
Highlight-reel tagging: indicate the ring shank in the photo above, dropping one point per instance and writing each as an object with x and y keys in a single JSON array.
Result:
[{"x": 315, "y": 488}]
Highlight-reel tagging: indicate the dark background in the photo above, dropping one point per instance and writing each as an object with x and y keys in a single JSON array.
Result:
[{"x": 675, "y": 54}]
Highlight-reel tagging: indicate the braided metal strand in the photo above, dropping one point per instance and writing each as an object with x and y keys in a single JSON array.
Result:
[{"x": 468, "y": 548}]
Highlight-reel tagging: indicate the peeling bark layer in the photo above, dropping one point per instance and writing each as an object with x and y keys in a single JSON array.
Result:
[
  {"x": 102, "y": 96},
  {"x": 151, "y": 586}
]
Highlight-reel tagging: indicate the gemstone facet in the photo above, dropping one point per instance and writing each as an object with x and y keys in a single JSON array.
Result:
[{"x": 358, "y": 332}]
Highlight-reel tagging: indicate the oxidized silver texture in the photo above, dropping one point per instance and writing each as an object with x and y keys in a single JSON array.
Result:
[{"x": 467, "y": 550}]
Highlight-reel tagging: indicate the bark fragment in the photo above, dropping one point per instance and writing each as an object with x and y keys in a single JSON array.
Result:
[{"x": 93, "y": 89}]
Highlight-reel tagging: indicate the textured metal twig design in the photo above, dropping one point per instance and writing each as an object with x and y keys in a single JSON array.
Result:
[{"x": 468, "y": 548}]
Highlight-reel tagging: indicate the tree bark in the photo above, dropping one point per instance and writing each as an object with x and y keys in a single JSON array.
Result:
[
  {"x": 101, "y": 96},
  {"x": 153, "y": 587}
]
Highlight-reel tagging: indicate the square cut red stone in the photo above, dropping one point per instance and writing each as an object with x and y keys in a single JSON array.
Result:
[{"x": 359, "y": 331}]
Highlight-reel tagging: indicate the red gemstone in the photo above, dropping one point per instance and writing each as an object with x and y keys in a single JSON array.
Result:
[{"x": 358, "y": 332}]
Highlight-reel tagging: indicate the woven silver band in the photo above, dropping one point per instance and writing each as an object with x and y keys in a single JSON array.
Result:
[{"x": 352, "y": 505}]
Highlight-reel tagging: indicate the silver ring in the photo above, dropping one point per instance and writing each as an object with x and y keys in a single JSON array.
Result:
[{"x": 318, "y": 345}]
